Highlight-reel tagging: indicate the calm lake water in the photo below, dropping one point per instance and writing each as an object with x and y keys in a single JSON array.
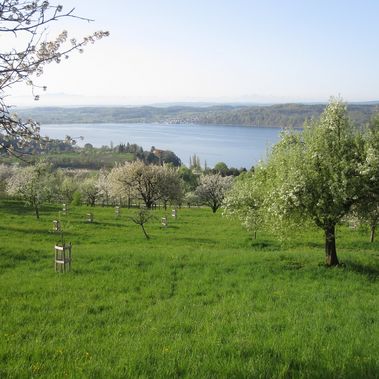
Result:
[{"x": 237, "y": 146}]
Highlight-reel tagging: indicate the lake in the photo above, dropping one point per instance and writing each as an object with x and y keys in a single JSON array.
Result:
[{"x": 237, "y": 146}]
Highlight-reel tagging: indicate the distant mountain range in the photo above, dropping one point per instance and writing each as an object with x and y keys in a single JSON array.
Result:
[{"x": 276, "y": 115}]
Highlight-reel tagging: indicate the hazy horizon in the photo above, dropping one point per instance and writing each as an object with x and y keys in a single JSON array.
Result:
[
  {"x": 62, "y": 100},
  {"x": 203, "y": 51}
]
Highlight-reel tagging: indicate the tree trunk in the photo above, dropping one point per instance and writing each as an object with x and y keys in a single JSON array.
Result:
[
  {"x": 149, "y": 204},
  {"x": 372, "y": 235},
  {"x": 144, "y": 232},
  {"x": 36, "y": 210},
  {"x": 330, "y": 246}
]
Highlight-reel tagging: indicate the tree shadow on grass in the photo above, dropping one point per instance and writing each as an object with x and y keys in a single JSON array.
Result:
[
  {"x": 9, "y": 259},
  {"x": 26, "y": 230},
  {"x": 19, "y": 208},
  {"x": 110, "y": 224},
  {"x": 293, "y": 367},
  {"x": 197, "y": 240},
  {"x": 371, "y": 272},
  {"x": 94, "y": 223},
  {"x": 16, "y": 209},
  {"x": 359, "y": 245},
  {"x": 315, "y": 245},
  {"x": 298, "y": 243},
  {"x": 265, "y": 245},
  {"x": 170, "y": 226},
  {"x": 315, "y": 370}
]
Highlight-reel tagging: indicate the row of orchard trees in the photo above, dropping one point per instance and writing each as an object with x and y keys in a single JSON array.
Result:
[
  {"x": 124, "y": 184},
  {"x": 322, "y": 175}
]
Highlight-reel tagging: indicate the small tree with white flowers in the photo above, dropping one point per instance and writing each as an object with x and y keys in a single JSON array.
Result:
[{"x": 212, "y": 189}]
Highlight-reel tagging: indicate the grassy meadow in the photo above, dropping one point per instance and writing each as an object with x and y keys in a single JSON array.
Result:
[{"x": 200, "y": 299}]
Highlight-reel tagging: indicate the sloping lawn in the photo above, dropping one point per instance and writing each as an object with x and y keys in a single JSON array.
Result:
[{"x": 200, "y": 299}]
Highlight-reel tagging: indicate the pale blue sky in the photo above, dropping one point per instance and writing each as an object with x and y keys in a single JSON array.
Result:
[{"x": 236, "y": 50}]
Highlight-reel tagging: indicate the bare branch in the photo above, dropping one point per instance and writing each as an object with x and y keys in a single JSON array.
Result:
[{"x": 18, "y": 17}]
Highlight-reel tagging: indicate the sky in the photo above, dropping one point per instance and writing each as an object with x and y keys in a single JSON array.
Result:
[{"x": 265, "y": 51}]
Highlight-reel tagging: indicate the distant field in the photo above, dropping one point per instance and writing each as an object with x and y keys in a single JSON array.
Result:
[{"x": 200, "y": 299}]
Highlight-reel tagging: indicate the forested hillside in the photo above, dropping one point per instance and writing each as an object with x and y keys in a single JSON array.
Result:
[{"x": 279, "y": 115}]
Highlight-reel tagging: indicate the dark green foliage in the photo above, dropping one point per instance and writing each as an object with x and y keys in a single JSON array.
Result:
[
  {"x": 190, "y": 180},
  {"x": 37, "y": 147},
  {"x": 150, "y": 158},
  {"x": 222, "y": 169},
  {"x": 168, "y": 156}
]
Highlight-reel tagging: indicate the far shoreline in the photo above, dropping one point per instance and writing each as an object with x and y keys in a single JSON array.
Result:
[{"x": 291, "y": 115}]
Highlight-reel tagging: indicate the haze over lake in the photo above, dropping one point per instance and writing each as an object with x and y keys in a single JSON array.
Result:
[{"x": 237, "y": 146}]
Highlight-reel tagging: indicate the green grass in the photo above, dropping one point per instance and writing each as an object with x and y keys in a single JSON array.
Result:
[{"x": 200, "y": 299}]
